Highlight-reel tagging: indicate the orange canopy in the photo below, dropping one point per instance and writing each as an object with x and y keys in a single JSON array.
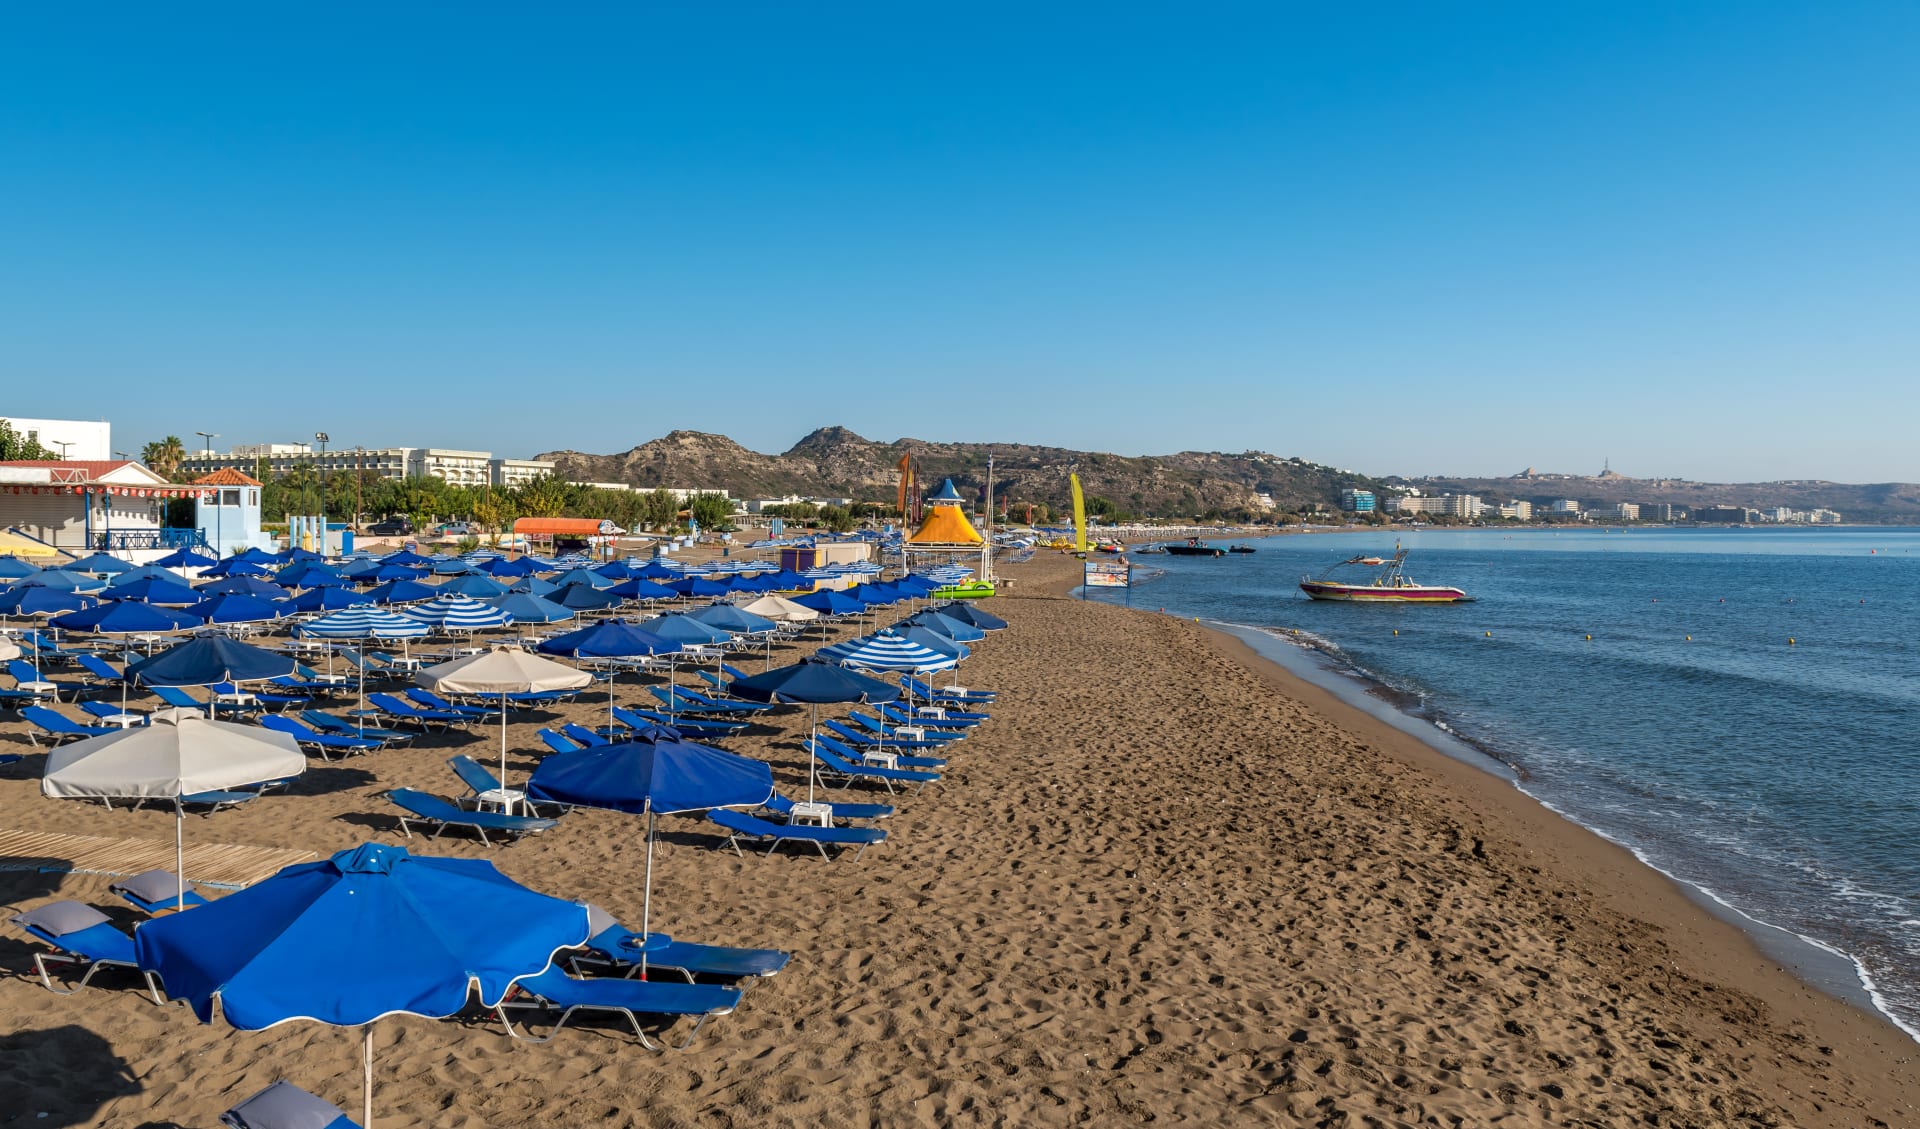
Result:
[
  {"x": 564, "y": 527},
  {"x": 946, "y": 525}
]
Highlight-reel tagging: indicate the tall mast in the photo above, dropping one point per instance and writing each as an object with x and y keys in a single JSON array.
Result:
[{"x": 986, "y": 551}]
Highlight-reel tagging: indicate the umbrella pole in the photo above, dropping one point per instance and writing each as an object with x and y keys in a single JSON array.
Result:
[
  {"x": 366, "y": 1084},
  {"x": 503, "y": 742},
  {"x": 813, "y": 737},
  {"x": 179, "y": 851},
  {"x": 646, "y": 899}
]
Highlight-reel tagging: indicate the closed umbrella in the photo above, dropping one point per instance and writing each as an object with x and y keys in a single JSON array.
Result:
[
  {"x": 657, "y": 773},
  {"x": 178, "y": 754},
  {"x": 370, "y": 932},
  {"x": 502, "y": 671}
]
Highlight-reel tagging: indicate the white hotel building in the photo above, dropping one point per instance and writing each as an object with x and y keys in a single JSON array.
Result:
[{"x": 457, "y": 467}]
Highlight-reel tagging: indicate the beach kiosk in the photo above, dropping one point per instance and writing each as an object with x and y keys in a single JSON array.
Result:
[
  {"x": 946, "y": 533},
  {"x": 228, "y": 515},
  {"x": 562, "y": 534}
]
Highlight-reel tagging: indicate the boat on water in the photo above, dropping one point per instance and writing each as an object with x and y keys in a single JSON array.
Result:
[
  {"x": 1193, "y": 548},
  {"x": 1389, "y": 584},
  {"x": 1239, "y": 548}
]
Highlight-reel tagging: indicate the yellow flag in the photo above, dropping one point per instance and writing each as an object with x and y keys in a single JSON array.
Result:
[{"x": 1079, "y": 516}]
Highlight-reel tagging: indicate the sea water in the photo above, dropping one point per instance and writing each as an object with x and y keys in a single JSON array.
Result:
[{"x": 1740, "y": 707}]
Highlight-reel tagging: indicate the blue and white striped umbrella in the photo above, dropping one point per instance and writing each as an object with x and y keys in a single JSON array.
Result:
[
  {"x": 364, "y": 623},
  {"x": 888, "y": 651},
  {"x": 458, "y": 613}
]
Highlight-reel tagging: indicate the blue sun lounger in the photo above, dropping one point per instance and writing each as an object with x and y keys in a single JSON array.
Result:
[
  {"x": 879, "y": 727},
  {"x": 559, "y": 743},
  {"x": 58, "y": 727},
  {"x": 836, "y": 765},
  {"x": 954, "y": 719},
  {"x": 932, "y": 693},
  {"x": 618, "y": 948},
  {"x": 583, "y": 736},
  {"x": 155, "y": 891},
  {"x": 741, "y": 825},
  {"x": 783, "y": 807},
  {"x": 704, "y": 729},
  {"x": 341, "y": 727},
  {"x": 81, "y": 937},
  {"x": 36, "y": 684},
  {"x": 861, "y": 740},
  {"x": 858, "y": 756},
  {"x": 554, "y": 989},
  {"x": 386, "y": 705},
  {"x": 323, "y": 743},
  {"x": 284, "y": 1105},
  {"x": 681, "y": 700},
  {"x": 430, "y": 810},
  {"x": 428, "y": 700}
]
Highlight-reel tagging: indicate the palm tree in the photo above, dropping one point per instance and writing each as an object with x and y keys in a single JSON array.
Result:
[{"x": 164, "y": 457}]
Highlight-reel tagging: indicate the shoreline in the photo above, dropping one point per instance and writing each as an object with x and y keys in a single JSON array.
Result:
[{"x": 1809, "y": 982}]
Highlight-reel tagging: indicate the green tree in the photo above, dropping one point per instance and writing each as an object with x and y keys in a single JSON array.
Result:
[
  {"x": 164, "y": 456},
  {"x": 837, "y": 518},
  {"x": 14, "y": 445},
  {"x": 661, "y": 510},
  {"x": 545, "y": 496},
  {"x": 712, "y": 511}
]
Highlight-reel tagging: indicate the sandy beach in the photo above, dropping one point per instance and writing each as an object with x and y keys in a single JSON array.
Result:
[{"x": 1166, "y": 883}]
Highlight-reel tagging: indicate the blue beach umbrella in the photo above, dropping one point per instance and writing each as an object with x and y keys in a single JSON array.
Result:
[
  {"x": 363, "y": 622},
  {"x": 124, "y": 617},
  {"x": 25, "y": 600},
  {"x": 685, "y": 629},
  {"x": 62, "y": 580},
  {"x": 255, "y": 555},
  {"x": 888, "y": 650},
  {"x": 917, "y": 586},
  {"x": 401, "y": 592},
  {"x": 609, "y": 639},
  {"x": 207, "y": 660},
  {"x": 726, "y": 617},
  {"x": 235, "y": 566},
  {"x": 13, "y": 568},
  {"x": 657, "y": 773},
  {"x": 186, "y": 558},
  {"x": 479, "y": 585},
  {"x": 525, "y": 607},
  {"x": 640, "y": 588},
  {"x": 328, "y": 599},
  {"x": 241, "y": 585},
  {"x": 301, "y": 574},
  {"x": 583, "y": 597},
  {"x": 455, "y": 566},
  {"x": 829, "y": 601},
  {"x": 816, "y": 683},
  {"x": 585, "y": 576},
  {"x": 969, "y": 613},
  {"x": 149, "y": 572},
  {"x": 957, "y": 630},
  {"x": 371, "y": 932},
  {"x": 511, "y": 568},
  {"x": 154, "y": 590},
  {"x": 405, "y": 557},
  {"x": 454, "y": 612},
  {"x": 539, "y": 586},
  {"x": 697, "y": 586},
  {"x": 101, "y": 564},
  {"x": 236, "y": 607}
]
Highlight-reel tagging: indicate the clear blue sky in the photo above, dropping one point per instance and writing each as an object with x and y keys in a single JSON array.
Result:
[{"x": 1411, "y": 238}]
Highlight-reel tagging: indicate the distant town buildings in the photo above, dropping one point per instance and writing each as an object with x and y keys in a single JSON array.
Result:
[
  {"x": 1357, "y": 501},
  {"x": 1619, "y": 511},
  {"x": 456, "y": 467},
  {"x": 1564, "y": 507},
  {"x": 1452, "y": 505},
  {"x": 1516, "y": 511}
]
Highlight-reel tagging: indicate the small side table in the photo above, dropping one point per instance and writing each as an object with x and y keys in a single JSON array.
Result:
[
  {"x": 878, "y": 760},
  {"x": 810, "y": 812}
]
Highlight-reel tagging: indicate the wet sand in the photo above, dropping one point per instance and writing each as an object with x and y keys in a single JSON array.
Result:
[{"x": 1168, "y": 882}]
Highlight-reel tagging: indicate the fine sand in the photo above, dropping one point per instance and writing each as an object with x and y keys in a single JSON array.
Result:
[{"x": 1165, "y": 883}]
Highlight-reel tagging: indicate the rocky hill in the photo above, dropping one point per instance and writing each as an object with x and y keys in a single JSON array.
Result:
[{"x": 835, "y": 462}]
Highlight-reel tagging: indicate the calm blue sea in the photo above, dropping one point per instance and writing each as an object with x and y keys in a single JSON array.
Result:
[{"x": 1779, "y": 778}]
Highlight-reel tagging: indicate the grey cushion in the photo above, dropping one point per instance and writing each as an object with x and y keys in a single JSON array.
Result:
[
  {"x": 57, "y": 919},
  {"x": 153, "y": 886},
  {"x": 283, "y": 1105}
]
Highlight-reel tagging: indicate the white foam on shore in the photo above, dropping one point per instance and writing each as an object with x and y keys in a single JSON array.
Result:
[{"x": 1765, "y": 933}]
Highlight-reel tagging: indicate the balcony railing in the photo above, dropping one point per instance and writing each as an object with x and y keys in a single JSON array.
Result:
[{"x": 120, "y": 540}]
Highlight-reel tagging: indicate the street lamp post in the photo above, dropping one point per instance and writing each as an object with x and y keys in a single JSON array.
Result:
[
  {"x": 321, "y": 438},
  {"x": 219, "y": 496}
]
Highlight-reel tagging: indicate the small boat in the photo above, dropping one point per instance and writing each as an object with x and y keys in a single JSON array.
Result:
[
  {"x": 1239, "y": 548},
  {"x": 1193, "y": 548},
  {"x": 1390, "y": 584}
]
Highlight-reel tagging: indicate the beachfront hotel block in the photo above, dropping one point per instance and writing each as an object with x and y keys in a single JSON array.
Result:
[
  {"x": 1517, "y": 510},
  {"x": 81, "y": 440},
  {"x": 1619, "y": 511},
  {"x": 457, "y": 467},
  {"x": 1453, "y": 505},
  {"x": 1358, "y": 501}
]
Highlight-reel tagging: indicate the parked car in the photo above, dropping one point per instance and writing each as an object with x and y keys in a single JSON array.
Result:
[
  {"x": 456, "y": 529},
  {"x": 391, "y": 527}
]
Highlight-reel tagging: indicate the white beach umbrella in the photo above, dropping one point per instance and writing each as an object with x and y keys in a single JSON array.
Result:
[
  {"x": 179, "y": 753},
  {"x": 781, "y": 609},
  {"x": 502, "y": 671}
]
